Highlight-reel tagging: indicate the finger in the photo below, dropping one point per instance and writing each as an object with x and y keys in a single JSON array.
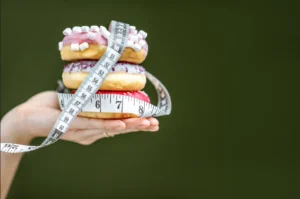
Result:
[
  {"x": 84, "y": 136},
  {"x": 136, "y": 123},
  {"x": 92, "y": 123},
  {"x": 153, "y": 122},
  {"x": 113, "y": 134},
  {"x": 151, "y": 129}
]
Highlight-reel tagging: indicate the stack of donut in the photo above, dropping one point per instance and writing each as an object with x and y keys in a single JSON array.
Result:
[{"x": 82, "y": 47}]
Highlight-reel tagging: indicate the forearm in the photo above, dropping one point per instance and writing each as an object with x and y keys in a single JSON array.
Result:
[{"x": 10, "y": 161}]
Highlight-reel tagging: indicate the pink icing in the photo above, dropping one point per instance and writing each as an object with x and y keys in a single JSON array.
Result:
[{"x": 82, "y": 37}]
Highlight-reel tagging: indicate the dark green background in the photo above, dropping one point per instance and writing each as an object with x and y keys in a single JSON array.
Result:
[{"x": 232, "y": 70}]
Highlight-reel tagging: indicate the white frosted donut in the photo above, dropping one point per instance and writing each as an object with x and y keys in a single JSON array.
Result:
[{"x": 122, "y": 77}]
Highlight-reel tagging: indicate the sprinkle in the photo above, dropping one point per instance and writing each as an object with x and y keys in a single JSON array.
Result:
[
  {"x": 83, "y": 46},
  {"x": 67, "y": 31},
  {"x": 91, "y": 35},
  {"x": 77, "y": 29},
  {"x": 85, "y": 28},
  {"x": 74, "y": 47}
]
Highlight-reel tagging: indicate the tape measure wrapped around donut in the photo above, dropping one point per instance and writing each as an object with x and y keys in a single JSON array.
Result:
[{"x": 120, "y": 94}]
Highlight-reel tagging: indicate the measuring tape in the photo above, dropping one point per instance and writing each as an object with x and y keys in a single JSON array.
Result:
[{"x": 85, "y": 99}]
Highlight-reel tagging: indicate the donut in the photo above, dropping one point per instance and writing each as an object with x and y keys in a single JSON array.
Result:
[
  {"x": 122, "y": 77},
  {"x": 82, "y": 47},
  {"x": 136, "y": 94},
  {"x": 91, "y": 43}
]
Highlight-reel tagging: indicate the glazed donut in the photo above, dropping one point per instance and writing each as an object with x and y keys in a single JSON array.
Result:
[
  {"x": 136, "y": 94},
  {"x": 121, "y": 77},
  {"x": 91, "y": 43}
]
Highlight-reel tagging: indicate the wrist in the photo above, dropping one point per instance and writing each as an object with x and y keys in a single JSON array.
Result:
[{"x": 13, "y": 129}]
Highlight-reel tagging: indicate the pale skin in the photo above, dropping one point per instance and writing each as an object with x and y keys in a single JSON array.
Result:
[{"x": 36, "y": 117}]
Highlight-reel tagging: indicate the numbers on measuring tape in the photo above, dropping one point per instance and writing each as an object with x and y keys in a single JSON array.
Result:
[
  {"x": 57, "y": 134},
  {"x": 95, "y": 79},
  {"x": 72, "y": 110},
  {"x": 141, "y": 110},
  {"x": 101, "y": 71},
  {"x": 97, "y": 104},
  {"x": 116, "y": 46},
  {"x": 118, "y": 104}
]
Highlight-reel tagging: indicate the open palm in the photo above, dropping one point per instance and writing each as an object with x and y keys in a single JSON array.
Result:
[{"x": 37, "y": 116}]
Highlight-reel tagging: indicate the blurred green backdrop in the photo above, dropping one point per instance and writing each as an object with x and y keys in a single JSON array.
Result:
[{"x": 233, "y": 73}]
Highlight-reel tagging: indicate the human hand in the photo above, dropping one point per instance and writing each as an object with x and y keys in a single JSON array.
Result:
[{"x": 36, "y": 117}]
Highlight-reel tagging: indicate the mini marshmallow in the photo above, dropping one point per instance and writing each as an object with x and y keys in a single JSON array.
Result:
[
  {"x": 142, "y": 42},
  {"x": 83, "y": 46},
  {"x": 135, "y": 32},
  {"x": 67, "y": 31},
  {"x": 91, "y": 35},
  {"x": 143, "y": 33},
  {"x": 132, "y": 29},
  {"x": 74, "y": 47},
  {"x": 77, "y": 29},
  {"x": 85, "y": 28},
  {"x": 136, "y": 47},
  {"x": 133, "y": 37},
  {"x": 129, "y": 43},
  {"x": 95, "y": 28},
  {"x": 104, "y": 32},
  {"x": 60, "y": 45},
  {"x": 140, "y": 36}
]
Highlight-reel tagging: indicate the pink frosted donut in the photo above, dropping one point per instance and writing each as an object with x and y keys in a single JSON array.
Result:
[{"x": 91, "y": 42}]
